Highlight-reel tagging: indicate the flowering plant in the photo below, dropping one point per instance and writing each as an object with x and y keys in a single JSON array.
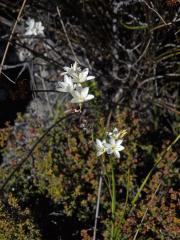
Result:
[
  {"x": 34, "y": 28},
  {"x": 113, "y": 146},
  {"x": 72, "y": 84}
]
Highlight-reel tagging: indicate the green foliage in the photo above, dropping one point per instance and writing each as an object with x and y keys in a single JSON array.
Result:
[
  {"x": 64, "y": 168},
  {"x": 16, "y": 223}
]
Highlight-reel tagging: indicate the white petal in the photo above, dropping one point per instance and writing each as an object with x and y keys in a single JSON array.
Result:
[
  {"x": 75, "y": 66},
  {"x": 112, "y": 141},
  {"x": 120, "y": 148},
  {"x": 75, "y": 100},
  {"x": 99, "y": 143},
  {"x": 90, "y": 78},
  {"x": 66, "y": 69},
  {"x": 109, "y": 151},
  {"x": 99, "y": 153},
  {"x": 79, "y": 88},
  {"x": 107, "y": 145},
  {"x": 119, "y": 142},
  {"x": 117, "y": 154},
  {"x": 61, "y": 90},
  {"x": 115, "y": 130},
  {"x": 108, "y": 148},
  {"x": 83, "y": 75},
  {"x": 89, "y": 97},
  {"x": 62, "y": 84},
  {"x": 30, "y": 22},
  {"x": 75, "y": 94},
  {"x": 84, "y": 92},
  {"x": 68, "y": 79},
  {"x": 28, "y": 32},
  {"x": 85, "y": 72}
]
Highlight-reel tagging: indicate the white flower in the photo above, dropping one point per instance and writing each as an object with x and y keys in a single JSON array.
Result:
[
  {"x": 72, "y": 71},
  {"x": 78, "y": 76},
  {"x": 34, "y": 28},
  {"x": 39, "y": 28},
  {"x": 67, "y": 85},
  {"x": 81, "y": 95},
  {"x": 24, "y": 54},
  {"x": 100, "y": 147},
  {"x": 114, "y": 147},
  {"x": 114, "y": 134},
  {"x": 83, "y": 76}
]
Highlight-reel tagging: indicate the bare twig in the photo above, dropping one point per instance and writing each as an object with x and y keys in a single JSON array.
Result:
[
  {"x": 46, "y": 94},
  {"x": 151, "y": 8},
  {"x": 144, "y": 52},
  {"x": 8, "y": 78},
  {"x": 65, "y": 32},
  {"x": 11, "y": 35},
  {"x": 97, "y": 206}
]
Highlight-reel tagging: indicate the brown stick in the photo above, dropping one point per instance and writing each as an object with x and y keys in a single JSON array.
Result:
[{"x": 11, "y": 35}]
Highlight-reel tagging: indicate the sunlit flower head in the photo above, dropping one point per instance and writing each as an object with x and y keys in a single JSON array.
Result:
[
  {"x": 72, "y": 71},
  {"x": 114, "y": 134},
  {"x": 114, "y": 147},
  {"x": 66, "y": 86},
  {"x": 100, "y": 147},
  {"x": 81, "y": 95},
  {"x": 34, "y": 28},
  {"x": 113, "y": 143},
  {"x": 83, "y": 76},
  {"x": 77, "y": 75}
]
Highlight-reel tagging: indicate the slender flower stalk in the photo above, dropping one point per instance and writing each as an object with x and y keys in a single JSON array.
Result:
[
  {"x": 97, "y": 207},
  {"x": 112, "y": 146},
  {"x": 113, "y": 200}
]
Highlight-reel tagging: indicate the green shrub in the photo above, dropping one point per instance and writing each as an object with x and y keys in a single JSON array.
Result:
[
  {"x": 64, "y": 168},
  {"x": 16, "y": 223}
]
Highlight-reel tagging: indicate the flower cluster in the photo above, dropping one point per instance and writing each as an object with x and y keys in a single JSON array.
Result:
[
  {"x": 113, "y": 146},
  {"x": 74, "y": 77},
  {"x": 34, "y": 28}
]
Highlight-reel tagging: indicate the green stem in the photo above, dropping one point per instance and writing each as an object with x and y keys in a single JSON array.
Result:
[
  {"x": 106, "y": 177},
  {"x": 127, "y": 197},
  {"x": 113, "y": 203},
  {"x": 118, "y": 229}
]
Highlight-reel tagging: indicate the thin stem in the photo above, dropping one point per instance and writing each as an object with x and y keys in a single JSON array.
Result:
[
  {"x": 65, "y": 32},
  {"x": 127, "y": 197},
  {"x": 106, "y": 177},
  {"x": 11, "y": 35},
  {"x": 113, "y": 204},
  {"x": 155, "y": 12},
  {"x": 100, "y": 186},
  {"x": 97, "y": 206}
]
